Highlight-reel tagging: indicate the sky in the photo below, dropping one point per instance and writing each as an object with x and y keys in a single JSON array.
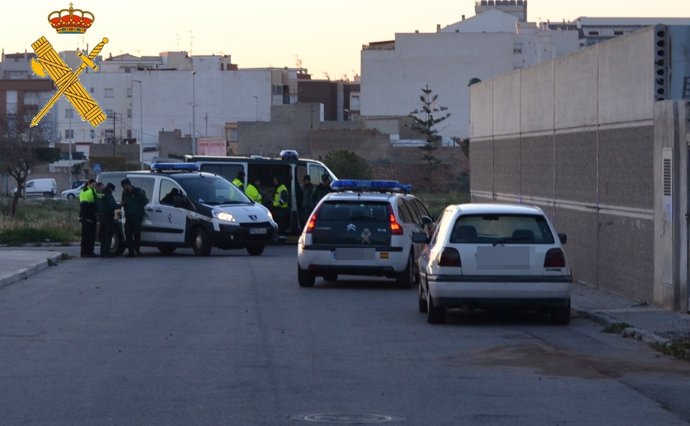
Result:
[{"x": 323, "y": 36}]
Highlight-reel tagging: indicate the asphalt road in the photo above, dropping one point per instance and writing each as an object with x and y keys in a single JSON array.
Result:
[{"x": 232, "y": 339}]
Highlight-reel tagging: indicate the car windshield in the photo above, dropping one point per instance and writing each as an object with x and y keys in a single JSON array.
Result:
[
  {"x": 213, "y": 190},
  {"x": 501, "y": 229}
]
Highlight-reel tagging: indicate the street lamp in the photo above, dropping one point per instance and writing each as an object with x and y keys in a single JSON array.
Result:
[
  {"x": 193, "y": 113},
  {"x": 71, "y": 112},
  {"x": 141, "y": 125}
]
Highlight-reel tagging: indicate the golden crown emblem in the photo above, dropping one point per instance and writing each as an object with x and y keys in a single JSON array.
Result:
[{"x": 71, "y": 21}]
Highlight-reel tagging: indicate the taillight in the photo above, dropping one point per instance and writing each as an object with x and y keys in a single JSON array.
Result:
[
  {"x": 450, "y": 257},
  {"x": 311, "y": 223},
  {"x": 395, "y": 227},
  {"x": 555, "y": 258}
]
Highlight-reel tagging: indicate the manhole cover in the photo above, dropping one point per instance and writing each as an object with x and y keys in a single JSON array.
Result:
[{"x": 348, "y": 418}]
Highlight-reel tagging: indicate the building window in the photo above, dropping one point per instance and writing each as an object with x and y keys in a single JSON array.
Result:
[
  {"x": 92, "y": 133},
  {"x": 595, "y": 33},
  {"x": 91, "y": 90},
  {"x": 277, "y": 90},
  {"x": 109, "y": 92},
  {"x": 129, "y": 92},
  {"x": 69, "y": 113},
  {"x": 129, "y": 113},
  {"x": 109, "y": 113},
  {"x": 618, "y": 33},
  {"x": 69, "y": 133}
]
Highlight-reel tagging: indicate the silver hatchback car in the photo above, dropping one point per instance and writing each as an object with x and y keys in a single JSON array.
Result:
[{"x": 494, "y": 256}]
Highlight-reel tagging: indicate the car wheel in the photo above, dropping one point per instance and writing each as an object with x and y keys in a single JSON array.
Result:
[
  {"x": 166, "y": 250},
  {"x": 561, "y": 316},
  {"x": 117, "y": 243},
  {"x": 406, "y": 277},
  {"x": 71, "y": 196},
  {"x": 434, "y": 314},
  {"x": 304, "y": 277},
  {"x": 200, "y": 242},
  {"x": 255, "y": 249},
  {"x": 421, "y": 300},
  {"x": 330, "y": 277}
]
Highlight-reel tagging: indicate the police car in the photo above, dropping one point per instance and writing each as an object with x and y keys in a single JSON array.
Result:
[
  {"x": 189, "y": 208},
  {"x": 362, "y": 228}
]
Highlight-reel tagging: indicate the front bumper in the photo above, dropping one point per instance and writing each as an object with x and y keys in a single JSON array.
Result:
[{"x": 237, "y": 236}]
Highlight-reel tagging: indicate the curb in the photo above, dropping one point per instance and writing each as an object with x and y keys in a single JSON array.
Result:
[
  {"x": 27, "y": 272},
  {"x": 634, "y": 332}
]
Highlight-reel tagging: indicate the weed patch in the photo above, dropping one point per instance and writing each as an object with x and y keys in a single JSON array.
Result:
[
  {"x": 679, "y": 349},
  {"x": 616, "y": 327}
]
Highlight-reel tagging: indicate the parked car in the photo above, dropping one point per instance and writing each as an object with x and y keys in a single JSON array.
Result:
[
  {"x": 45, "y": 187},
  {"x": 494, "y": 256},
  {"x": 362, "y": 228},
  {"x": 71, "y": 194}
]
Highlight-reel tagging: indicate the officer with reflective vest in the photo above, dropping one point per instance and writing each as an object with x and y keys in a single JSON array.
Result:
[
  {"x": 239, "y": 180},
  {"x": 253, "y": 191},
  {"x": 88, "y": 217},
  {"x": 280, "y": 207}
]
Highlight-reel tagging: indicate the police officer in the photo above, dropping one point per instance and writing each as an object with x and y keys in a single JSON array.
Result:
[
  {"x": 106, "y": 216},
  {"x": 307, "y": 197},
  {"x": 87, "y": 217},
  {"x": 280, "y": 207},
  {"x": 239, "y": 180},
  {"x": 133, "y": 201},
  {"x": 323, "y": 188},
  {"x": 253, "y": 191}
]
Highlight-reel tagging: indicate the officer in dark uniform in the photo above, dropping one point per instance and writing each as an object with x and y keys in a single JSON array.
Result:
[
  {"x": 133, "y": 201},
  {"x": 106, "y": 216}
]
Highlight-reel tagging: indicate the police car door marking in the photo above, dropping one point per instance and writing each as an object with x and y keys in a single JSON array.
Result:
[{"x": 170, "y": 217}]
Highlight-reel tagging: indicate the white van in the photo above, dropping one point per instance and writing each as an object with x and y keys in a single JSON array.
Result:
[{"x": 46, "y": 187}]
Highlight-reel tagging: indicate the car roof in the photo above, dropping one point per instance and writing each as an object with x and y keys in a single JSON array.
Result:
[
  {"x": 499, "y": 208},
  {"x": 364, "y": 195}
]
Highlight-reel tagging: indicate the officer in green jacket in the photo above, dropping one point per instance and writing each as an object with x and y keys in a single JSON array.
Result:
[
  {"x": 253, "y": 191},
  {"x": 88, "y": 217},
  {"x": 239, "y": 180},
  {"x": 133, "y": 201},
  {"x": 280, "y": 207}
]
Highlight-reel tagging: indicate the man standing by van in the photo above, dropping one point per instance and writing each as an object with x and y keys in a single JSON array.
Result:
[
  {"x": 133, "y": 201},
  {"x": 239, "y": 180},
  {"x": 280, "y": 208},
  {"x": 87, "y": 217}
]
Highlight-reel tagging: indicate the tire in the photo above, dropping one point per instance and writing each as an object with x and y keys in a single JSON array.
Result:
[
  {"x": 561, "y": 316},
  {"x": 71, "y": 196},
  {"x": 330, "y": 277},
  {"x": 200, "y": 242},
  {"x": 304, "y": 277},
  {"x": 255, "y": 249},
  {"x": 423, "y": 307},
  {"x": 405, "y": 278},
  {"x": 434, "y": 314},
  {"x": 117, "y": 244},
  {"x": 166, "y": 250}
]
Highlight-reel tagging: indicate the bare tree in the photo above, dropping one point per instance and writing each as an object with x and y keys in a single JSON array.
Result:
[{"x": 18, "y": 154}]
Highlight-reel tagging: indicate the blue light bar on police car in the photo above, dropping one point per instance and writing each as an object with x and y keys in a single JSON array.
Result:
[
  {"x": 370, "y": 185},
  {"x": 175, "y": 167}
]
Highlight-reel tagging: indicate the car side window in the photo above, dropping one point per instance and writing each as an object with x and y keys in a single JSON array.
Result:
[
  {"x": 145, "y": 183},
  {"x": 169, "y": 191},
  {"x": 405, "y": 214}
]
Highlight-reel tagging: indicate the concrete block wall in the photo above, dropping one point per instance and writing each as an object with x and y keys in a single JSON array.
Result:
[{"x": 575, "y": 136}]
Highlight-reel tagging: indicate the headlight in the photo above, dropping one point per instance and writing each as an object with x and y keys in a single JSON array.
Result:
[{"x": 224, "y": 216}]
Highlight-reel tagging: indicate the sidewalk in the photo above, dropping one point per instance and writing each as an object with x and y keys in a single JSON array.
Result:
[{"x": 647, "y": 323}]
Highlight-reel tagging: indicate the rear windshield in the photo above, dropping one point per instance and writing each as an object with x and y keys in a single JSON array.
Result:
[
  {"x": 355, "y": 222},
  {"x": 501, "y": 229}
]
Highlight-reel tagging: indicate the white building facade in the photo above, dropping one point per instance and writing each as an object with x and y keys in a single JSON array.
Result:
[{"x": 484, "y": 46}]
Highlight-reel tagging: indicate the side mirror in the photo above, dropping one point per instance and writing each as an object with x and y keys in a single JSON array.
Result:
[
  {"x": 420, "y": 237},
  {"x": 563, "y": 238}
]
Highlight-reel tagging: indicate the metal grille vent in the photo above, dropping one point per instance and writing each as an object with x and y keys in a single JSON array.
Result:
[{"x": 667, "y": 177}]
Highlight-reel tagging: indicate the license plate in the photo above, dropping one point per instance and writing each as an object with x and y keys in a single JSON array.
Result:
[
  {"x": 354, "y": 254},
  {"x": 503, "y": 257},
  {"x": 257, "y": 231}
]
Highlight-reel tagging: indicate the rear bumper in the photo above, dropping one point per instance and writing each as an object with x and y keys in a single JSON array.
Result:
[
  {"x": 555, "y": 292},
  {"x": 384, "y": 261}
]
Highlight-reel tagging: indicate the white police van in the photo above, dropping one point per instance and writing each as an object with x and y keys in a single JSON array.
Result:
[
  {"x": 189, "y": 208},
  {"x": 289, "y": 168}
]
